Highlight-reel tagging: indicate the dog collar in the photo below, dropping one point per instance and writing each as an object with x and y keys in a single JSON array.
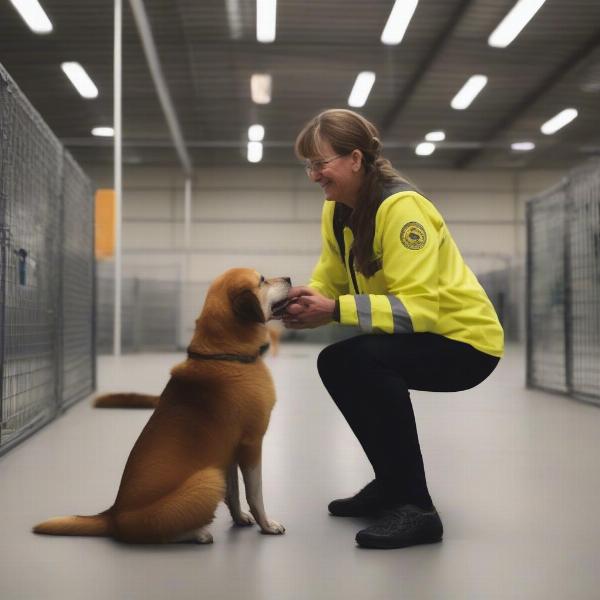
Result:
[{"x": 243, "y": 358}]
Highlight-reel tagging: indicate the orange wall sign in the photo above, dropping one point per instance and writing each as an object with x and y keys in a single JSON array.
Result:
[{"x": 105, "y": 223}]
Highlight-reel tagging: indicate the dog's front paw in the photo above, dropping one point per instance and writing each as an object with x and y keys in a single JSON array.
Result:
[
  {"x": 244, "y": 520},
  {"x": 274, "y": 528}
]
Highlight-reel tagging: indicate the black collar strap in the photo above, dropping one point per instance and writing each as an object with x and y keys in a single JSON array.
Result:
[{"x": 243, "y": 358}]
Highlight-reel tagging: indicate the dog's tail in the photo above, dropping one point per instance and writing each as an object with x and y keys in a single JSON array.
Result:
[
  {"x": 93, "y": 525},
  {"x": 126, "y": 401}
]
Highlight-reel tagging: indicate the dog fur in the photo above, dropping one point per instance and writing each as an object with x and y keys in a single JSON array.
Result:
[
  {"x": 134, "y": 400},
  {"x": 210, "y": 418}
]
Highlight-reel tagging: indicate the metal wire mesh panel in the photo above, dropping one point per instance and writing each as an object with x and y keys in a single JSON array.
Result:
[
  {"x": 105, "y": 290},
  {"x": 546, "y": 291},
  {"x": 157, "y": 314},
  {"x": 77, "y": 284},
  {"x": 584, "y": 272},
  {"x": 563, "y": 286},
  {"x": 30, "y": 185},
  {"x": 150, "y": 317}
]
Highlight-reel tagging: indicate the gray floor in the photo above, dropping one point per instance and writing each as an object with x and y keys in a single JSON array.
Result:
[{"x": 514, "y": 474}]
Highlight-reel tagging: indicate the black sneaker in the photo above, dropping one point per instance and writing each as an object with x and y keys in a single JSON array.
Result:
[
  {"x": 367, "y": 502},
  {"x": 406, "y": 525}
]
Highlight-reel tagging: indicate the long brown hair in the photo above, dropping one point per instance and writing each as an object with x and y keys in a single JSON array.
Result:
[{"x": 346, "y": 131}]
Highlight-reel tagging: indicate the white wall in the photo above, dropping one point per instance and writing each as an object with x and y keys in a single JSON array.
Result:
[{"x": 268, "y": 218}]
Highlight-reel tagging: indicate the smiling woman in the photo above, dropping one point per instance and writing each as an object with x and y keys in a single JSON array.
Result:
[
  {"x": 342, "y": 153},
  {"x": 388, "y": 266}
]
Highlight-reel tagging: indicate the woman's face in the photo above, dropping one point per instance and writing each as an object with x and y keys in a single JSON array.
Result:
[{"x": 340, "y": 178}]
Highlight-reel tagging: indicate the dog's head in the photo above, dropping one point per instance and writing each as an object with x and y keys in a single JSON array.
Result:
[{"x": 247, "y": 295}]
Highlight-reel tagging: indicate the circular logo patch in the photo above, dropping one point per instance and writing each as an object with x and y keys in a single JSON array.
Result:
[{"x": 413, "y": 236}]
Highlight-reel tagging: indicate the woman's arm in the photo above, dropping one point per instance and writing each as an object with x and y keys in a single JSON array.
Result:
[
  {"x": 329, "y": 277},
  {"x": 408, "y": 240}
]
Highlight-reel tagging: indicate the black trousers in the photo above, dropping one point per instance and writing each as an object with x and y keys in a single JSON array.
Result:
[{"x": 369, "y": 378}]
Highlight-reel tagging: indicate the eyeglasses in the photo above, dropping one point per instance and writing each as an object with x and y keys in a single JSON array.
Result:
[{"x": 316, "y": 166}]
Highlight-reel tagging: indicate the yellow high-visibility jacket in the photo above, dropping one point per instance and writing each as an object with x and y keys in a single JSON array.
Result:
[{"x": 423, "y": 285}]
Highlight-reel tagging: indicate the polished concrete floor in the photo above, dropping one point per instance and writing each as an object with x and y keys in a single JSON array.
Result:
[{"x": 514, "y": 474}]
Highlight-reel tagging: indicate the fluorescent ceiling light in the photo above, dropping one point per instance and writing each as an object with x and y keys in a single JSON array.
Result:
[
  {"x": 266, "y": 17},
  {"x": 256, "y": 133},
  {"x": 469, "y": 92},
  {"x": 103, "y": 131},
  {"x": 33, "y": 14},
  {"x": 234, "y": 18},
  {"x": 362, "y": 88},
  {"x": 260, "y": 88},
  {"x": 514, "y": 22},
  {"x": 425, "y": 149},
  {"x": 80, "y": 79},
  {"x": 398, "y": 21},
  {"x": 559, "y": 121},
  {"x": 255, "y": 151},
  {"x": 435, "y": 136},
  {"x": 522, "y": 146}
]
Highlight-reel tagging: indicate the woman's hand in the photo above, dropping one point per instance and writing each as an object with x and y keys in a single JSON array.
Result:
[{"x": 307, "y": 309}]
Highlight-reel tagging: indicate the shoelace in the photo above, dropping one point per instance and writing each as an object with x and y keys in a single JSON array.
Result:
[{"x": 400, "y": 516}]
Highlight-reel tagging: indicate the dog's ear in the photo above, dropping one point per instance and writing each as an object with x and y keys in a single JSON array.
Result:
[{"x": 247, "y": 307}]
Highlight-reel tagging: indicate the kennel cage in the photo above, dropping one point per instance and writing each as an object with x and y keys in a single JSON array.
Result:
[
  {"x": 563, "y": 286},
  {"x": 47, "y": 356},
  {"x": 150, "y": 313}
]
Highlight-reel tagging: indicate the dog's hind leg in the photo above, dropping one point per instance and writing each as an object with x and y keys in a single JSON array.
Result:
[
  {"x": 250, "y": 463},
  {"x": 232, "y": 499},
  {"x": 185, "y": 511}
]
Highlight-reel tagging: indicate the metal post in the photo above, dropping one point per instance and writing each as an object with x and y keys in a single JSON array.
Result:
[
  {"x": 4, "y": 245},
  {"x": 529, "y": 274},
  {"x": 569, "y": 207},
  {"x": 118, "y": 141},
  {"x": 143, "y": 25},
  {"x": 187, "y": 226},
  {"x": 59, "y": 323}
]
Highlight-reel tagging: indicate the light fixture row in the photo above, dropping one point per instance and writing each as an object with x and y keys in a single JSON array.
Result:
[
  {"x": 399, "y": 19},
  {"x": 426, "y": 148},
  {"x": 393, "y": 33},
  {"x": 550, "y": 127}
]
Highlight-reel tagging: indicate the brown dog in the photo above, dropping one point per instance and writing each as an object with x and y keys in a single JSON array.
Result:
[
  {"x": 134, "y": 400},
  {"x": 210, "y": 418}
]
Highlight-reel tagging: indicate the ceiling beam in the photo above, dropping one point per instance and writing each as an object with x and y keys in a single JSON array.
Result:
[
  {"x": 143, "y": 26},
  {"x": 573, "y": 61},
  {"x": 423, "y": 67}
]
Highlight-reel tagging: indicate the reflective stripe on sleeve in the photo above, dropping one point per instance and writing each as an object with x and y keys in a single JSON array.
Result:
[
  {"x": 363, "y": 308},
  {"x": 390, "y": 314},
  {"x": 402, "y": 320}
]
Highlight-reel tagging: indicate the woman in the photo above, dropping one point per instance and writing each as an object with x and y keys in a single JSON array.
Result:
[{"x": 389, "y": 266}]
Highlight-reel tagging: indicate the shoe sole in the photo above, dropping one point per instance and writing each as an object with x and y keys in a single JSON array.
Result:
[
  {"x": 374, "y": 513},
  {"x": 383, "y": 544}
]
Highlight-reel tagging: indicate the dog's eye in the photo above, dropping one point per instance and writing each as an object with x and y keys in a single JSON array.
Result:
[{"x": 262, "y": 280}]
